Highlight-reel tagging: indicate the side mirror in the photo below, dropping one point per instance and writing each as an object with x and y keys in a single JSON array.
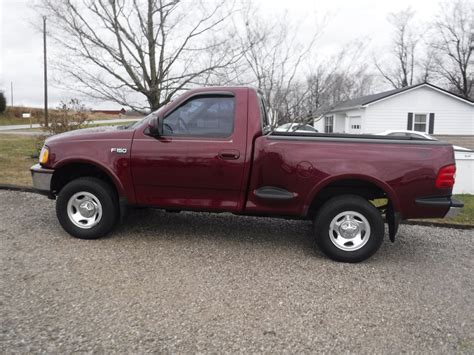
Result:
[{"x": 155, "y": 126}]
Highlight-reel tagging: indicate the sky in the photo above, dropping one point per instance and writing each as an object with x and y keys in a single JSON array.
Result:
[{"x": 21, "y": 46}]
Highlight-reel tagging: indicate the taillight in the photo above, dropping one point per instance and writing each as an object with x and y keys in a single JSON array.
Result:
[{"x": 445, "y": 178}]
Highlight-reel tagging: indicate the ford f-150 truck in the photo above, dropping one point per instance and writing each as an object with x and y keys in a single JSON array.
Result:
[{"x": 212, "y": 149}]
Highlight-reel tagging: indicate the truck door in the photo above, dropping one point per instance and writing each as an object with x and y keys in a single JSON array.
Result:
[{"x": 199, "y": 161}]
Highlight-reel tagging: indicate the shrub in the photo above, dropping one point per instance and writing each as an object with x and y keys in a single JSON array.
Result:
[{"x": 67, "y": 117}]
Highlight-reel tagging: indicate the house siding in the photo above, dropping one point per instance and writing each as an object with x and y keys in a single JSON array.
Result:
[{"x": 452, "y": 116}]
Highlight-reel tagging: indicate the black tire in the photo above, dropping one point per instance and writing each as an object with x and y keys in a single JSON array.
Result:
[
  {"x": 104, "y": 193},
  {"x": 339, "y": 205}
]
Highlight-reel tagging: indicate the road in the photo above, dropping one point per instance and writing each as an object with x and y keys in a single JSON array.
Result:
[{"x": 191, "y": 282}]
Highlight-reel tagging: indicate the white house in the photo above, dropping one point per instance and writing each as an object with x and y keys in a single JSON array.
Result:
[{"x": 423, "y": 107}]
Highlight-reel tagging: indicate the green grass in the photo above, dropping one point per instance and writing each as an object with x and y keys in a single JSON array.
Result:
[
  {"x": 7, "y": 120},
  {"x": 16, "y": 159},
  {"x": 467, "y": 213}
]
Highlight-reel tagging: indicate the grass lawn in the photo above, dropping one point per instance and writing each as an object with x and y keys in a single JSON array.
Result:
[
  {"x": 467, "y": 213},
  {"x": 16, "y": 159},
  {"x": 7, "y": 120}
]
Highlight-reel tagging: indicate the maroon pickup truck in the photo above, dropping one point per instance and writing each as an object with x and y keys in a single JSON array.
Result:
[{"x": 212, "y": 150}]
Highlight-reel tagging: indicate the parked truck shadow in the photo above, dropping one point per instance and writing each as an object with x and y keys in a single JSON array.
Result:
[
  {"x": 219, "y": 228},
  {"x": 284, "y": 234}
]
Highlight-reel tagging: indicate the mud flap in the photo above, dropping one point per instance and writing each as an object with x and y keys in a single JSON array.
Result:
[{"x": 393, "y": 221}]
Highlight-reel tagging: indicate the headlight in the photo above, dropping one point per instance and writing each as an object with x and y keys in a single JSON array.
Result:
[{"x": 44, "y": 155}]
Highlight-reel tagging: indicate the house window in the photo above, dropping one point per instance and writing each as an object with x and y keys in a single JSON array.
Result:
[
  {"x": 329, "y": 124},
  {"x": 420, "y": 122}
]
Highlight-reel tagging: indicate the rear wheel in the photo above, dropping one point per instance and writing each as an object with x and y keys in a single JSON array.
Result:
[
  {"x": 87, "y": 208},
  {"x": 349, "y": 228}
]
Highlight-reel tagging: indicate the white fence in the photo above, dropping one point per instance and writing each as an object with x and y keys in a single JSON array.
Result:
[{"x": 464, "y": 173}]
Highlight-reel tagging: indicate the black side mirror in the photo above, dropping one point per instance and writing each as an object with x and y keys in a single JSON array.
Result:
[{"x": 155, "y": 126}]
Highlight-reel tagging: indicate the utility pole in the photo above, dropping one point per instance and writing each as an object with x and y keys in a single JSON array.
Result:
[
  {"x": 45, "y": 75},
  {"x": 11, "y": 93}
]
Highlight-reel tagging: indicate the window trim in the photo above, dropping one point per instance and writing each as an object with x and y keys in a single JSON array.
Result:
[
  {"x": 207, "y": 94},
  {"x": 426, "y": 121}
]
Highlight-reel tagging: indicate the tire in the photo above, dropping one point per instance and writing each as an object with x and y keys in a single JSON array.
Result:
[
  {"x": 87, "y": 208},
  {"x": 349, "y": 229}
]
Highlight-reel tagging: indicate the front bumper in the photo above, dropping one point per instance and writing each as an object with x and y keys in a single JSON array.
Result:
[
  {"x": 41, "y": 178},
  {"x": 453, "y": 206}
]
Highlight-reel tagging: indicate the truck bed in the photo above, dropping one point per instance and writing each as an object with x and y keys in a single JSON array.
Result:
[{"x": 403, "y": 168}]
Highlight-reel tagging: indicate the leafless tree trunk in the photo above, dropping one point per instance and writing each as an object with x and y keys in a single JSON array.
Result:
[
  {"x": 401, "y": 73},
  {"x": 453, "y": 45},
  {"x": 128, "y": 50}
]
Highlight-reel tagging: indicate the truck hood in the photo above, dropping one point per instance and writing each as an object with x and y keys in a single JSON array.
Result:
[{"x": 91, "y": 134}]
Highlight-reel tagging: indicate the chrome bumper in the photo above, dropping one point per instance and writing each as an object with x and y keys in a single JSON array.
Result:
[{"x": 41, "y": 178}]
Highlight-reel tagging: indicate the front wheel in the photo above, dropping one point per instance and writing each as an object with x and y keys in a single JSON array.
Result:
[
  {"x": 349, "y": 229},
  {"x": 87, "y": 208}
]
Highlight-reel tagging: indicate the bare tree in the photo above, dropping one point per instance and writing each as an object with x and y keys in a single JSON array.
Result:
[
  {"x": 342, "y": 76},
  {"x": 401, "y": 73},
  {"x": 130, "y": 50},
  {"x": 453, "y": 45},
  {"x": 427, "y": 66},
  {"x": 274, "y": 58}
]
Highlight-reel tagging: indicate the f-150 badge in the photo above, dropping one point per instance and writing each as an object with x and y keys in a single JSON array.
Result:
[{"x": 118, "y": 150}]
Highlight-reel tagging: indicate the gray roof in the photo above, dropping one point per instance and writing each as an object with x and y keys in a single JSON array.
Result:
[{"x": 365, "y": 100}]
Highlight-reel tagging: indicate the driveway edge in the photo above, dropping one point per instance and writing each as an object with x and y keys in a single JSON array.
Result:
[
  {"x": 437, "y": 224},
  {"x": 17, "y": 188}
]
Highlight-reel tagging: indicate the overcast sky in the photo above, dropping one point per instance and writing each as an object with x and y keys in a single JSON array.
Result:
[{"x": 21, "y": 45}]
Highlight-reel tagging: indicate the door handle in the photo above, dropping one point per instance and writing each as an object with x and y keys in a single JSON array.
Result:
[{"x": 229, "y": 154}]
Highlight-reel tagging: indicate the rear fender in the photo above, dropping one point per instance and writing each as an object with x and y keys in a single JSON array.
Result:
[{"x": 380, "y": 184}]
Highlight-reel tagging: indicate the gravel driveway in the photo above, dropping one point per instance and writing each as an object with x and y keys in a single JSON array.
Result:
[{"x": 193, "y": 282}]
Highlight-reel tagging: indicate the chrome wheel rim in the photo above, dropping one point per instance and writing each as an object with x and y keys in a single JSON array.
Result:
[
  {"x": 84, "y": 210},
  {"x": 349, "y": 231}
]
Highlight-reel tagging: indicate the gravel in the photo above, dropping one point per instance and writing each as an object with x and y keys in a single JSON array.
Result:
[{"x": 189, "y": 282}]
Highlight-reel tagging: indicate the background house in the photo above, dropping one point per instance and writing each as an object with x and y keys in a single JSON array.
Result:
[{"x": 423, "y": 107}]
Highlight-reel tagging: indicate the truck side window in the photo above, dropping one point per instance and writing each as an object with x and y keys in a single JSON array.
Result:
[{"x": 203, "y": 116}]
